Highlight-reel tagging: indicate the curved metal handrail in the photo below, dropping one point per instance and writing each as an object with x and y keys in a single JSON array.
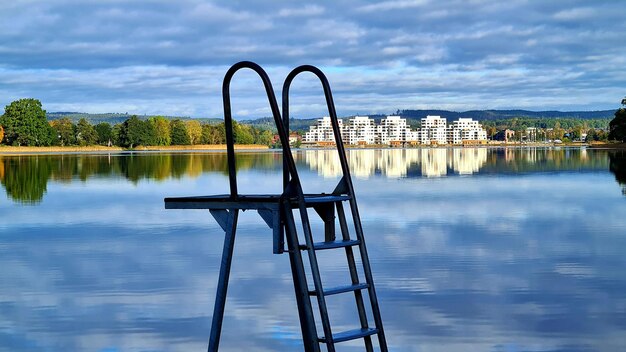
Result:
[
  {"x": 228, "y": 123},
  {"x": 331, "y": 111},
  {"x": 347, "y": 187}
]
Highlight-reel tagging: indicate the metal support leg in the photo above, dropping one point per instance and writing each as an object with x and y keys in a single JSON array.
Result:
[
  {"x": 305, "y": 312},
  {"x": 222, "y": 286}
]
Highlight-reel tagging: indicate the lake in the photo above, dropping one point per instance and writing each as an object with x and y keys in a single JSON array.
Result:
[{"x": 472, "y": 249}]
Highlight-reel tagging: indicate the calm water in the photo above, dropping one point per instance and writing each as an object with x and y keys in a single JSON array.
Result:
[{"x": 472, "y": 250}]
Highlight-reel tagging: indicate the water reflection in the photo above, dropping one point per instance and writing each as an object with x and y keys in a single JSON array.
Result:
[
  {"x": 435, "y": 162},
  {"x": 25, "y": 178},
  {"x": 531, "y": 261},
  {"x": 617, "y": 165},
  {"x": 438, "y": 162}
]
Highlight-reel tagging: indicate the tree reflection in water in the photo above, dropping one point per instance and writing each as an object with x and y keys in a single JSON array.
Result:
[
  {"x": 617, "y": 165},
  {"x": 25, "y": 178}
]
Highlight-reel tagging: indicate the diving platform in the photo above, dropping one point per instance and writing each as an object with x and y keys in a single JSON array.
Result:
[{"x": 279, "y": 211}]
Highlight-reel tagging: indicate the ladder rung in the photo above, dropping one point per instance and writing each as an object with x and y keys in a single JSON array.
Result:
[
  {"x": 335, "y": 244},
  {"x": 323, "y": 198},
  {"x": 342, "y": 289},
  {"x": 351, "y": 335}
]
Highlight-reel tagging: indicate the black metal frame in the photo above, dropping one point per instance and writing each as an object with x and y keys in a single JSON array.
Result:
[
  {"x": 277, "y": 211},
  {"x": 346, "y": 187}
]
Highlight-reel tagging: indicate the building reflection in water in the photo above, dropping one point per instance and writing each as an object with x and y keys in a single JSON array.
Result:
[
  {"x": 25, "y": 178},
  {"x": 432, "y": 162}
]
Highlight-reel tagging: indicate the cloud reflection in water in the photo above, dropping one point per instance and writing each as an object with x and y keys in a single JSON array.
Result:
[{"x": 524, "y": 255}]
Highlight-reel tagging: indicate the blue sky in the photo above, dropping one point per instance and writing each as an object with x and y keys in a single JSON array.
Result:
[{"x": 169, "y": 57}]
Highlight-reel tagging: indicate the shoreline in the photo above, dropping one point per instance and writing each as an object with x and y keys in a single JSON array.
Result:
[
  {"x": 11, "y": 150},
  {"x": 608, "y": 146},
  {"x": 103, "y": 149}
]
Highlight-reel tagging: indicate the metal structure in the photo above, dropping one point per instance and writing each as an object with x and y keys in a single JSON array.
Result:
[{"x": 278, "y": 210}]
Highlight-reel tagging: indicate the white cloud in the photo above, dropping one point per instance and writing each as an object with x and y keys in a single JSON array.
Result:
[
  {"x": 579, "y": 13},
  {"x": 169, "y": 57},
  {"x": 308, "y": 10},
  {"x": 393, "y": 5}
]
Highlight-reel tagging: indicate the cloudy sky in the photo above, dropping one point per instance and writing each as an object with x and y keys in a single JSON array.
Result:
[{"x": 169, "y": 57}]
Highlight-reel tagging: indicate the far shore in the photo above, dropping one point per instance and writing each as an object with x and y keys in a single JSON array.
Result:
[
  {"x": 608, "y": 146},
  {"x": 104, "y": 149}
]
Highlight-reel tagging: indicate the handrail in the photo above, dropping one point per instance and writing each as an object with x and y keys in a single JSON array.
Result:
[
  {"x": 228, "y": 124},
  {"x": 331, "y": 111}
]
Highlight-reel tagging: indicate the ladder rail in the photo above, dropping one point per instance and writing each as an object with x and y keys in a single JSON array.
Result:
[
  {"x": 294, "y": 189},
  {"x": 315, "y": 273},
  {"x": 345, "y": 185},
  {"x": 305, "y": 311},
  {"x": 354, "y": 275},
  {"x": 330, "y": 104},
  {"x": 289, "y": 164},
  {"x": 367, "y": 271}
]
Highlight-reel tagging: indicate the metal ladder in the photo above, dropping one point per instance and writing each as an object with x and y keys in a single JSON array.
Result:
[
  {"x": 278, "y": 212},
  {"x": 343, "y": 192}
]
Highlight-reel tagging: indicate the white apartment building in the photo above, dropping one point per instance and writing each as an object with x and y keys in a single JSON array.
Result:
[
  {"x": 411, "y": 136},
  {"x": 468, "y": 130},
  {"x": 434, "y": 130},
  {"x": 360, "y": 130},
  {"x": 392, "y": 129},
  {"x": 454, "y": 135},
  {"x": 322, "y": 131}
]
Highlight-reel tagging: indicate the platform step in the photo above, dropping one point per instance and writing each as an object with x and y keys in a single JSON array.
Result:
[
  {"x": 351, "y": 335},
  {"x": 315, "y": 199},
  {"x": 342, "y": 289},
  {"x": 335, "y": 244}
]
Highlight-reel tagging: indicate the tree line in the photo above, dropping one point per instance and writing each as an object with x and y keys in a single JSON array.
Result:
[{"x": 24, "y": 123}]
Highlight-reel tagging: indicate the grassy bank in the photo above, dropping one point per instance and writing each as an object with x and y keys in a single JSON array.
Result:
[
  {"x": 608, "y": 145},
  {"x": 99, "y": 149}
]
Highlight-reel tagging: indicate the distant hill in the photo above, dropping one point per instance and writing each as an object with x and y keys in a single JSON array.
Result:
[
  {"x": 413, "y": 117},
  {"x": 268, "y": 123},
  {"x": 483, "y": 115},
  {"x": 113, "y": 118}
]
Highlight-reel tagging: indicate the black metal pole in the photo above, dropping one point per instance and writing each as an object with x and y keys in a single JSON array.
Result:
[{"x": 222, "y": 285}]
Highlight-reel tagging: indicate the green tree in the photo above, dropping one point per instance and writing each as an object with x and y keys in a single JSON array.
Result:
[
  {"x": 105, "y": 133},
  {"x": 265, "y": 137},
  {"x": 576, "y": 133},
  {"x": 179, "y": 135},
  {"x": 194, "y": 129},
  {"x": 242, "y": 133},
  {"x": 591, "y": 135},
  {"x": 150, "y": 135},
  {"x": 85, "y": 133},
  {"x": 213, "y": 134},
  {"x": 134, "y": 132},
  {"x": 162, "y": 130},
  {"x": 116, "y": 134},
  {"x": 617, "y": 126},
  {"x": 24, "y": 123},
  {"x": 64, "y": 131}
]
